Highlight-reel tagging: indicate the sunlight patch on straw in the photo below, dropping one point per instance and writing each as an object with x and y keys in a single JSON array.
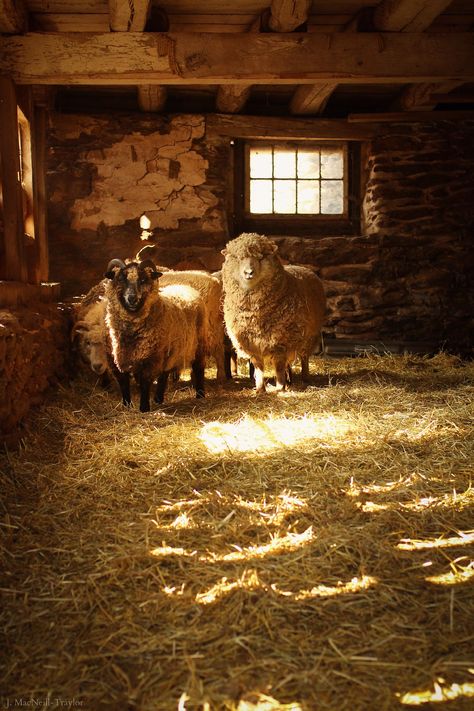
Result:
[
  {"x": 265, "y": 703},
  {"x": 251, "y": 581},
  {"x": 455, "y": 576},
  {"x": 278, "y": 544},
  {"x": 438, "y": 694},
  {"x": 412, "y": 544},
  {"x": 251, "y": 434}
]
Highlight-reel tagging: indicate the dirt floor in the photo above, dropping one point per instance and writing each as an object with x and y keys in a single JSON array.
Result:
[{"x": 307, "y": 550}]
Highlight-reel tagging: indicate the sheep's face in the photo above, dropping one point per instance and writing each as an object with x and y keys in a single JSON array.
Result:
[
  {"x": 252, "y": 259},
  {"x": 92, "y": 349},
  {"x": 133, "y": 283}
]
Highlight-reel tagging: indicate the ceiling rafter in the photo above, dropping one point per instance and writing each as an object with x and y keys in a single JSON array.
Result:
[
  {"x": 389, "y": 16},
  {"x": 282, "y": 16},
  {"x": 13, "y": 16}
]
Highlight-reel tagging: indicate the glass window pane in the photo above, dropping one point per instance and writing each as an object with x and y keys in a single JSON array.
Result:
[
  {"x": 332, "y": 163},
  {"x": 308, "y": 197},
  {"x": 260, "y": 163},
  {"x": 308, "y": 164},
  {"x": 285, "y": 196},
  {"x": 284, "y": 164},
  {"x": 261, "y": 196},
  {"x": 332, "y": 197}
]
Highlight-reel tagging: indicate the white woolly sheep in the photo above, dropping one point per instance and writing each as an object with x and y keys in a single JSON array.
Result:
[
  {"x": 210, "y": 288},
  {"x": 151, "y": 331},
  {"x": 88, "y": 329},
  {"x": 272, "y": 312}
]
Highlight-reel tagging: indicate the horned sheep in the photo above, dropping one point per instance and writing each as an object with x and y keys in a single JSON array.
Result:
[
  {"x": 272, "y": 312},
  {"x": 151, "y": 331}
]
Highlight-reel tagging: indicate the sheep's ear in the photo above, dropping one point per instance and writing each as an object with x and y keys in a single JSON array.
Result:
[
  {"x": 273, "y": 247},
  {"x": 224, "y": 252},
  {"x": 156, "y": 274}
]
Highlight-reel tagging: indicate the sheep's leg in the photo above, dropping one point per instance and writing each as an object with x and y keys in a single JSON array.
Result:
[
  {"x": 144, "y": 384},
  {"x": 305, "y": 369},
  {"x": 161, "y": 387},
  {"x": 197, "y": 376},
  {"x": 280, "y": 373},
  {"x": 123, "y": 380},
  {"x": 258, "y": 374}
]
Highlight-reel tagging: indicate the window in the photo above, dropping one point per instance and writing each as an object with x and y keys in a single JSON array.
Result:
[{"x": 304, "y": 187}]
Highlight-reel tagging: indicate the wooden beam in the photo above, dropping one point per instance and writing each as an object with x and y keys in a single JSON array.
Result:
[
  {"x": 152, "y": 97},
  {"x": 407, "y": 15},
  {"x": 13, "y": 16},
  {"x": 292, "y": 128},
  {"x": 418, "y": 97},
  {"x": 415, "y": 117},
  {"x": 231, "y": 98},
  {"x": 13, "y": 264},
  {"x": 128, "y": 15},
  {"x": 311, "y": 98},
  {"x": 287, "y": 15},
  {"x": 119, "y": 58}
]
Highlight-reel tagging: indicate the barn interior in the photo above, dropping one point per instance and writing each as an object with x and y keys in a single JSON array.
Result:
[{"x": 308, "y": 549}]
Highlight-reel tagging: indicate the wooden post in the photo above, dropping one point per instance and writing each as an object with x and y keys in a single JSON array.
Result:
[
  {"x": 39, "y": 194},
  {"x": 12, "y": 264}
]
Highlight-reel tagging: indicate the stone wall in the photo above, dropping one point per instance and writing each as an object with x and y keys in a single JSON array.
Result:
[
  {"x": 406, "y": 277},
  {"x": 33, "y": 355}
]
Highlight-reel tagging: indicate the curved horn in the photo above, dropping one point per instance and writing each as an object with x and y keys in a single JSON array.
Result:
[
  {"x": 115, "y": 263},
  {"x": 147, "y": 249},
  {"x": 109, "y": 274}
]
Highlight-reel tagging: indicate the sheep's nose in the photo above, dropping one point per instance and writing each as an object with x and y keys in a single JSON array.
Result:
[
  {"x": 248, "y": 272},
  {"x": 132, "y": 299}
]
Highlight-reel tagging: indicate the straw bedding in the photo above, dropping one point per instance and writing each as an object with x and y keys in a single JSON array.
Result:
[{"x": 307, "y": 550}]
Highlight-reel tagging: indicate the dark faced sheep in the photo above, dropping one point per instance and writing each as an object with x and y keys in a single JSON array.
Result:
[
  {"x": 152, "y": 331},
  {"x": 272, "y": 312}
]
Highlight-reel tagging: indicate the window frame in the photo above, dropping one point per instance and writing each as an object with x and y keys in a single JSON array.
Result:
[{"x": 296, "y": 224}]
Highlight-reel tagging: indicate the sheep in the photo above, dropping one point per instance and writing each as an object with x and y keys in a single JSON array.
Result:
[
  {"x": 88, "y": 329},
  {"x": 210, "y": 288},
  {"x": 151, "y": 330},
  {"x": 272, "y": 312}
]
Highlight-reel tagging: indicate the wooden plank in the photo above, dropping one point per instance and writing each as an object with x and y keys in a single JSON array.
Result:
[
  {"x": 407, "y": 15},
  {"x": 128, "y": 15},
  {"x": 291, "y": 128},
  {"x": 171, "y": 58},
  {"x": 13, "y": 16},
  {"x": 414, "y": 116},
  {"x": 13, "y": 266}
]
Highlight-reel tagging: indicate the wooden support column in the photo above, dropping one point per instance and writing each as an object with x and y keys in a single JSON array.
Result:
[
  {"x": 12, "y": 254},
  {"x": 41, "y": 104}
]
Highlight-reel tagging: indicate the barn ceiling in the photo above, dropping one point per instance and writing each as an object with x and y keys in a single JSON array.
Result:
[{"x": 326, "y": 58}]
